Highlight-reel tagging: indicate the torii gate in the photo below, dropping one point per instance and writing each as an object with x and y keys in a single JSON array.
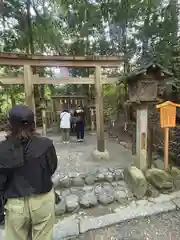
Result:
[{"x": 97, "y": 62}]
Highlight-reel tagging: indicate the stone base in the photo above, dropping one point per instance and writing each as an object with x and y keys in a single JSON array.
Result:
[{"x": 99, "y": 156}]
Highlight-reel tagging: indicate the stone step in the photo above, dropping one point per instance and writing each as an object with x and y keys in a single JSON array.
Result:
[{"x": 75, "y": 198}]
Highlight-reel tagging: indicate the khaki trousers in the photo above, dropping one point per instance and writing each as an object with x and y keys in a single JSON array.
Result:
[
  {"x": 36, "y": 213},
  {"x": 65, "y": 134}
]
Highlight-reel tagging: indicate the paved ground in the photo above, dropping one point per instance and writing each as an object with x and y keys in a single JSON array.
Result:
[{"x": 160, "y": 227}]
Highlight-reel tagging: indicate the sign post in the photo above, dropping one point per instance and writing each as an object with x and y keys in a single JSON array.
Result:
[{"x": 167, "y": 120}]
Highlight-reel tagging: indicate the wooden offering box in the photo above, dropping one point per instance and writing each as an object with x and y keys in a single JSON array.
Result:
[
  {"x": 168, "y": 114},
  {"x": 167, "y": 120}
]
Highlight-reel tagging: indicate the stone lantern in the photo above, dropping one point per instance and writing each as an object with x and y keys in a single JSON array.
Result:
[{"x": 143, "y": 87}]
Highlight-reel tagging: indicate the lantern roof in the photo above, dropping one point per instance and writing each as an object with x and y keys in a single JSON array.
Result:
[{"x": 146, "y": 68}]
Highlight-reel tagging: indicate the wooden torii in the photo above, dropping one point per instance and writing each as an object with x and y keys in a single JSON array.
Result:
[{"x": 97, "y": 62}]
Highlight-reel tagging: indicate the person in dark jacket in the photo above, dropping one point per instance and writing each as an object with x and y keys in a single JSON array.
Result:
[
  {"x": 27, "y": 163},
  {"x": 1, "y": 211},
  {"x": 80, "y": 122}
]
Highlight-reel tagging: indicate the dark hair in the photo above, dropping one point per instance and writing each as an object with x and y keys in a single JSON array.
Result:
[
  {"x": 20, "y": 132},
  {"x": 65, "y": 110}
]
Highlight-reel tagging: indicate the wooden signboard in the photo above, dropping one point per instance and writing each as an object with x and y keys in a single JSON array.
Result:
[{"x": 167, "y": 120}]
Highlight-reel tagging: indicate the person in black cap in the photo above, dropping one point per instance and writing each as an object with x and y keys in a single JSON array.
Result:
[
  {"x": 27, "y": 163},
  {"x": 80, "y": 122}
]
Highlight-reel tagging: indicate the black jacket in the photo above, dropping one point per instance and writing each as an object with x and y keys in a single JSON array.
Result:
[
  {"x": 26, "y": 166},
  {"x": 80, "y": 115}
]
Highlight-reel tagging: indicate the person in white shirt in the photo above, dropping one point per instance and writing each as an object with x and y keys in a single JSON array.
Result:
[{"x": 65, "y": 125}]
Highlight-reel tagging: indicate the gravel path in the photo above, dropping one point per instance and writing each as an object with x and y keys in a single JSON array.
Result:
[
  {"x": 160, "y": 227},
  {"x": 77, "y": 157}
]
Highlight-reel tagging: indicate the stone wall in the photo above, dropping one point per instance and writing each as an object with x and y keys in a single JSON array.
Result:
[
  {"x": 137, "y": 194},
  {"x": 88, "y": 190},
  {"x": 81, "y": 191}
]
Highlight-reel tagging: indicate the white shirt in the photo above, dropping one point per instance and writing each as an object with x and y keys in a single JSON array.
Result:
[{"x": 65, "y": 119}]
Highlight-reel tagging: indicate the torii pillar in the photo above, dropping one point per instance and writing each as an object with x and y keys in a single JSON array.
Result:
[
  {"x": 101, "y": 153},
  {"x": 29, "y": 88}
]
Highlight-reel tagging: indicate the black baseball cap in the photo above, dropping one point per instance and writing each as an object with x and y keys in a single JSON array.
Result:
[{"x": 21, "y": 115}]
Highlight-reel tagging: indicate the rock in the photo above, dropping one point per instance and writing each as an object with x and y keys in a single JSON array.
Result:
[
  {"x": 118, "y": 174},
  {"x": 111, "y": 170},
  {"x": 97, "y": 188},
  {"x": 106, "y": 195},
  {"x": 67, "y": 228},
  {"x": 82, "y": 175},
  {"x": 122, "y": 184},
  {"x": 114, "y": 184},
  {"x": 65, "y": 192},
  {"x": 60, "y": 208},
  {"x": 159, "y": 178},
  {"x": 122, "y": 190},
  {"x": 78, "y": 191},
  {"x": 108, "y": 177},
  {"x": 99, "y": 156},
  {"x": 108, "y": 187},
  {"x": 90, "y": 179},
  {"x": 72, "y": 202},
  {"x": 128, "y": 193},
  {"x": 136, "y": 181},
  {"x": 88, "y": 188},
  {"x": 120, "y": 197},
  {"x": 55, "y": 180},
  {"x": 151, "y": 191},
  {"x": 72, "y": 175},
  {"x": 88, "y": 200},
  {"x": 65, "y": 182},
  {"x": 175, "y": 173},
  {"x": 101, "y": 174},
  {"x": 77, "y": 181},
  {"x": 102, "y": 170},
  {"x": 100, "y": 177}
]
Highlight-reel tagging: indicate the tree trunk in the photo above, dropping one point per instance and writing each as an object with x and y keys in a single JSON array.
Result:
[
  {"x": 13, "y": 100},
  {"x": 145, "y": 40},
  {"x": 125, "y": 4}
]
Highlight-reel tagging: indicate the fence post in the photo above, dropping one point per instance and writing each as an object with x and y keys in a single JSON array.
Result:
[{"x": 44, "y": 122}]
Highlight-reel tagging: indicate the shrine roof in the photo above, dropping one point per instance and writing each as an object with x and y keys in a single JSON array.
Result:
[{"x": 150, "y": 67}]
